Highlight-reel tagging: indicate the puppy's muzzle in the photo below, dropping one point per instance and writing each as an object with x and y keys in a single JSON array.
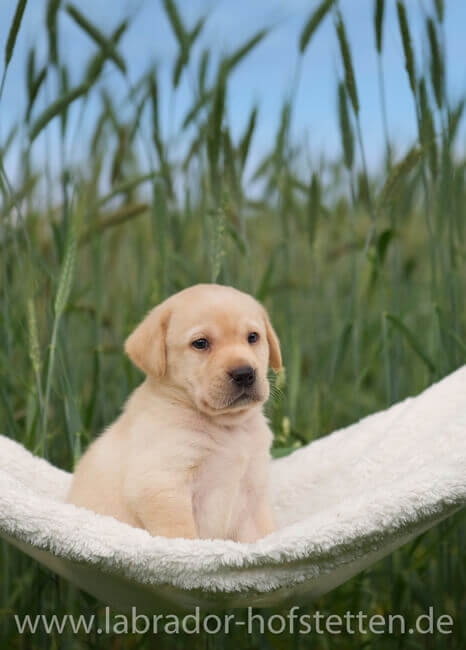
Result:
[{"x": 243, "y": 376}]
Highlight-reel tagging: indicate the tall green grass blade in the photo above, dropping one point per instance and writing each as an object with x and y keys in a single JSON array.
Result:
[
  {"x": 313, "y": 207},
  {"x": 160, "y": 235},
  {"x": 183, "y": 56},
  {"x": 282, "y": 133},
  {"x": 8, "y": 141},
  {"x": 397, "y": 176},
  {"x": 165, "y": 168},
  {"x": 196, "y": 31},
  {"x": 313, "y": 23},
  {"x": 265, "y": 284},
  {"x": 459, "y": 342},
  {"x": 341, "y": 349},
  {"x": 383, "y": 242},
  {"x": 455, "y": 115},
  {"x": 120, "y": 154},
  {"x": 112, "y": 220},
  {"x": 15, "y": 199},
  {"x": 234, "y": 59},
  {"x": 440, "y": 9},
  {"x": 203, "y": 67},
  {"x": 154, "y": 99},
  {"x": 30, "y": 69},
  {"x": 34, "y": 91},
  {"x": 107, "y": 46},
  {"x": 387, "y": 358},
  {"x": 126, "y": 186},
  {"x": 198, "y": 105},
  {"x": 427, "y": 128},
  {"x": 177, "y": 70},
  {"x": 60, "y": 105},
  {"x": 64, "y": 90},
  {"x": 51, "y": 22},
  {"x": 97, "y": 62},
  {"x": 13, "y": 33},
  {"x": 178, "y": 28},
  {"x": 12, "y": 36},
  {"x": 110, "y": 111},
  {"x": 294, "y": 370},
  {"x": 245, "y": 142},
  {"x": 195, "y": 147},
  {"x": 263, "y": 167},
  {"x": 413, "y": 341}
]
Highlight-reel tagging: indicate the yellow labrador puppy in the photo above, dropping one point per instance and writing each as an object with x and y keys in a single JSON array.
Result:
[{"x": 189, "y": 456}]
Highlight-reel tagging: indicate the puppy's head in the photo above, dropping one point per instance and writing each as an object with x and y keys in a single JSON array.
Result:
[{"x": 213, "y": 343}]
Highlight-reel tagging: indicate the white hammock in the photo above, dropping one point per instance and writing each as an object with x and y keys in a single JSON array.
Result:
[{"x": 342, "y": 503}]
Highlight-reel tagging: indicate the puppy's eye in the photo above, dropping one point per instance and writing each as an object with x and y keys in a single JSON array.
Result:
[
  {"x": 253, "y": 337},
  {"x": 200, "y": 344}
]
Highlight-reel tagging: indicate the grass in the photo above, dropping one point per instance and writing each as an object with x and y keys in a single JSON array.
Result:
[{"x": 363, "y": 273}]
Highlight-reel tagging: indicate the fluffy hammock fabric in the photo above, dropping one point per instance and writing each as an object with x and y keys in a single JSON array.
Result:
[{"x": 341, "y": 503}]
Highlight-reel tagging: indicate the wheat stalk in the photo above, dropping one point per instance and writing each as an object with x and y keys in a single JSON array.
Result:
[{"x": 61, "y": 300}]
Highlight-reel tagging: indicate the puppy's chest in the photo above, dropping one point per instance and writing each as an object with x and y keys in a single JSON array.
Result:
[
  {"x": 222, "y": 462},
  {"x": 228, "y": 476}
]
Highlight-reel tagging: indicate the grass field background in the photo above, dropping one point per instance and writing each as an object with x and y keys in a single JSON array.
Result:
[{"x": 362, "y": 270}]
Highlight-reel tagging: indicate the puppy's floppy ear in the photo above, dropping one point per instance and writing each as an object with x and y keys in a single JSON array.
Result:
[
  {"x": 275, "y": 355},
  {"x": 146, "y": 346}
]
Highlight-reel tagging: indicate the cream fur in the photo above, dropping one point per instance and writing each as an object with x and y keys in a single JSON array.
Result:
[{"x": 189, "y": 456}]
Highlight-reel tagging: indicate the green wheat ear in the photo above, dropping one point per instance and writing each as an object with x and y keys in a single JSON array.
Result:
[
  {"x": 346, "y": 131},
  {"x": 61, "y": 300},
  {"x": 345, "y": 50},
  {"x": 407, "y": 45},
  {"x": 427, "y": 128},
  {"x": 217, "y": 243},
  {"x": 397, "y": 175},
  {"x": 33, "y": 338},
  {"x": 67, "y": 270},
  {"x": 440, "y": 9},
  {"x": 436, "y": 63},
  {"x": 378, "y": 23},
  {"x": 313, "y": 207}
]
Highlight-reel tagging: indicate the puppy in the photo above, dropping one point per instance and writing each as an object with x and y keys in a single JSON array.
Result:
[{"x": 189, "y": 456}]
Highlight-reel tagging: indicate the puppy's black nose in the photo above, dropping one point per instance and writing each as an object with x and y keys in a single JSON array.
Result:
[{"x": 243, "y": 376}]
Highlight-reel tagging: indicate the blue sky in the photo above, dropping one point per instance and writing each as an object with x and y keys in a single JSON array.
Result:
[{"x": 266, "y": 75}]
